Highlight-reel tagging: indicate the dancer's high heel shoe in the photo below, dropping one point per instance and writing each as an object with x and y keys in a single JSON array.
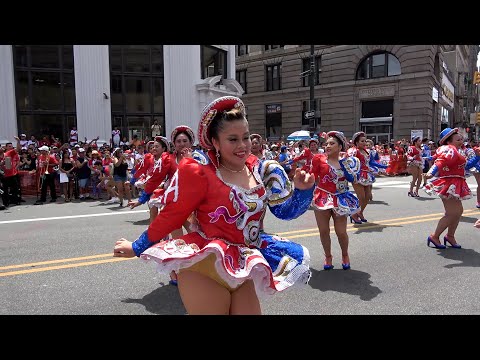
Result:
[
  {"x": 362, "y": 219},
  {"x": 410, "y": 193},
  {"x": 352, "y": 220},
  {"x": 326, "y": 265},
  {"x": 455, "y": 246},
  {"x": 345, "y": 265},
  {"x": 173, "y": 279},
  {"x": 440, "y": 246}
]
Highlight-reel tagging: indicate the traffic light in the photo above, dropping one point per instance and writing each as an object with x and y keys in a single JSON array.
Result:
[
  {"x": 478, "y": 118},
  {"x": 476, "y": 77}
]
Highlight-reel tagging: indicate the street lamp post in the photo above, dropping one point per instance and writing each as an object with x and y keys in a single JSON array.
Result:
[
  {"x": 312, "y": 88},
  {"x": 310, "y": 114}
]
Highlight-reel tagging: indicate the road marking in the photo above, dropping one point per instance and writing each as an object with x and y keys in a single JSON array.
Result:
[
  {"x": 390, "y": 183},
  {"x": 466, "y": 212},
  {"x": 379, "y": 224},
  {"x": 55, "y": 261},
  {"x": 20, "y": 272},
  {"x": 73, "y": 216}
]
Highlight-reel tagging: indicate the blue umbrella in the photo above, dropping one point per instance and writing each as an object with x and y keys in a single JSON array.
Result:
[{"x": 299, "y": 135}]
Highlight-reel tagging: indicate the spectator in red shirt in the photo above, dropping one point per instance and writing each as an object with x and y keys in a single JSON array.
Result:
[
  {"x": 48, "y": 162},
  {"x": 9, "y": 160}
]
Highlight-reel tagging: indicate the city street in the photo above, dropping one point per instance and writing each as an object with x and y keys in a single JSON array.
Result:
[{"x": 57, "y": 259}]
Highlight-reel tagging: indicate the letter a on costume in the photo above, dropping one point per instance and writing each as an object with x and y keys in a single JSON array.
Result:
[{"x": 172, "y": 188}]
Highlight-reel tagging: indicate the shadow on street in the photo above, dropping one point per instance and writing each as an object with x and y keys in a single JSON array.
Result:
[
  {"x": 164, "y": 300},
  {"x": 144, "y": 222},
  {"x": 468, "y": 219},
  {"x": 351, "y": 282},
  {"x": 467, "y": 257},
  {"x": 371, "y": 227},
  {"x": 378, "y": 202},
  {"x": 425, "y": 198}
]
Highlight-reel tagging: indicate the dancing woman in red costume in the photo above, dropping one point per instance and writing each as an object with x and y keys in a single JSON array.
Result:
[
  {"x": 469, "y": 152},
  {"x": 182, "y": 137},
  {"x": 450, "y": 185},
  {"x": 332, "y": 198},
  {"x": 226, "y": 261},
  {"x": 366, "y": 178},
  {"x": 308, "y": 155},
  {"x": 257, "y": 146},
  {"x": 415, "y": 165},
  {"x": 160, "y": 167}
]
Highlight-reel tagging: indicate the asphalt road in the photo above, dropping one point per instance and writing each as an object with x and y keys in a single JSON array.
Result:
[{"x": 57, "y": 259}]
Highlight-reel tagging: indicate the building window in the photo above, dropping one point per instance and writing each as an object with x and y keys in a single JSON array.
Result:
[
  {"x": 378, "y": 65},
  {"x": 272, "y": 47},
  {"x": 377, "y": 108},
  {"x": 214, "y": 61},
  {"x": 273, "y": 121},
  {"x": 241, "y": 77},
  {"x": 306, "y": 62},
  {"x": 242, "y": 50},
  {"x": 273, "y": 77},
  {"x": 136, "y": 88},
  {"x": 45, "y": 90}
]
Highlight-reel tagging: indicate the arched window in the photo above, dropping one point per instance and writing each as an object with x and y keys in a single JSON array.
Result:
[{"x": 378, "y": 65}]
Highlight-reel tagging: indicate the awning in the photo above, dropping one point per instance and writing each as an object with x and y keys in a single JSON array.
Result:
[{"x": 388, "y": 119}]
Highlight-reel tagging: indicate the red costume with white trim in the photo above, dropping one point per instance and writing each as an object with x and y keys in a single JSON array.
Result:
[
  {"x": 141, "y": 169},
  {"x": 306, "y": 155},
  {"x": 450, "y": 181},
  {"x": 414, "y": 157},
  {"x": 162, "y": 169},
  {"x": 366, "y": 177}
]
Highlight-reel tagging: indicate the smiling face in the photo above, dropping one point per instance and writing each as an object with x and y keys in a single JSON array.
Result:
[
  {"x": 256, "y": 146},
  {"x": 233, "y": 143},
  {"x": 455, "y": 140},
  {"x": 157, "y": 149},
  {"x": 332, "y": 146},
  {"x": 182, "y": 141},
  {"x": 313, "y": 146},
  {"x": 361, "y": 142}
]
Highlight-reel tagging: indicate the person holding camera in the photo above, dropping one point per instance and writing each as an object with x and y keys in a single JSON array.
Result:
[{"x": 120, "y": 167}]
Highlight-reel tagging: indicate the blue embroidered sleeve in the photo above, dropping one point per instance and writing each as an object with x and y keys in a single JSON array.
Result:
[
  {"x": 142, "y": 243},
  {"x": 351, "y": 168},
  {"x": 433, "y": 170},
  {"x": 375, "y": 164},
  {"x": 144, "y": 197},
  {"x": 295, "y": 206},
  {"x": 200, "y": 157},
  {"x": 133, "y": 178},
  {"x": 473, "y": 162},
  {"x": 284, "y": 202}
]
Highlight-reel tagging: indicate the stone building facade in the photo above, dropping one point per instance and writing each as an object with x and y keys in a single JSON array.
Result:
[{"x": 388, "y": 91}]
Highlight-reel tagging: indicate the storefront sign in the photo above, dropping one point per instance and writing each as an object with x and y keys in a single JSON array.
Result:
[
  {"x": 376, "y": 92},
  {"x": 274, "y": 108},
  {"x": 435, "y": 94},
  {"x": 448, "y": 92},
  {"x": 414, "y": 133}
]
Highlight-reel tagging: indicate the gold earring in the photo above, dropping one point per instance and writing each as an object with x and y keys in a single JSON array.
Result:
[{"x": 218, "y": 155}]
